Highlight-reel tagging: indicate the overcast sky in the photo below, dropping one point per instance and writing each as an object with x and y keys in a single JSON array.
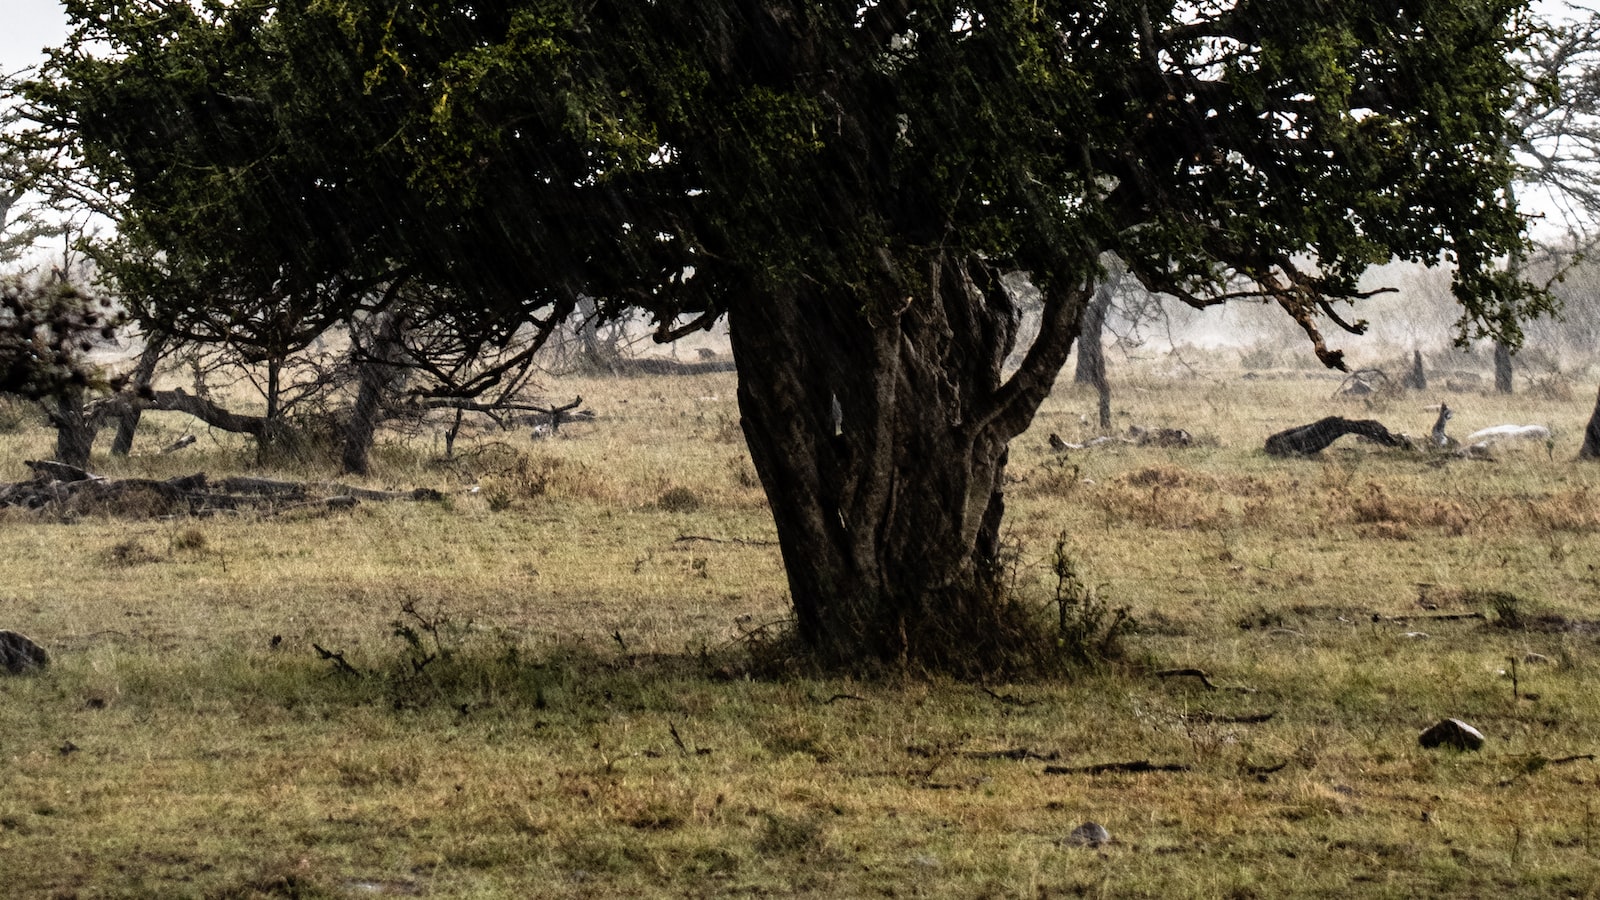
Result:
[{"x": 27, "y": 26}]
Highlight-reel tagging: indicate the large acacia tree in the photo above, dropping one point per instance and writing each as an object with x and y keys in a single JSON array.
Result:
[{"x": 847, "y": 183}]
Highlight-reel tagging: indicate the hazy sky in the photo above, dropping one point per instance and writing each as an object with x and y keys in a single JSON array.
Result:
[{"x": 26, "y": 26}]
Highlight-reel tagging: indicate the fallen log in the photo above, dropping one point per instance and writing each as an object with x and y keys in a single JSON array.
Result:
[
  {"x": 1140, "y": 765},
  {"x": 48, "y": 470},
  {"x": 70, "y": 490},
  {"x": 1307, "y": 440}
]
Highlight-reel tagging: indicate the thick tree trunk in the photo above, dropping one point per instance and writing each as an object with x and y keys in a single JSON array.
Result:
[
  {"x": 375, "y": 379},
  {"x": 210, "y": 413},
  {"x": 888, "y": 513},
  {"x": 594, "y": 354},
  {"x": 1417, "y": 378},
  {"x": 1502, "y": 368},
  {"x": 75, "y": 429},
  {"x": 128, "y": 420},
  {"x": 1091, "y": 352},
  {"x": 1591, "y": 435}
]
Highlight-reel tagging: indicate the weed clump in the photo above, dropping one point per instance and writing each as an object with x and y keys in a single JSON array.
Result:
[
  {"x": 437, "y": 667},
  {"x": 1507, "y": 608},
  {"x": 1088, "y": 630},
  {"x": 189, "y": 539},
  {"x": 130, "y": 553},
  {"x": 679, "y": 500},
  {"x": 16, "y": 415},
  {"x": 782, "y": 834},
  {"x": 1054, "y": 478}
]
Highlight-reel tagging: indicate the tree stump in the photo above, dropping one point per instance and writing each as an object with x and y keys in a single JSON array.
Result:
[
  {"x": 1591, "y": 435},
  {"x": 19, "y": 655}
]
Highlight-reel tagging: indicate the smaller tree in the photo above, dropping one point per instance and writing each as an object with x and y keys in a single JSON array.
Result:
[
  {"x": 46, "y": 331},
  {"x": 1091, "y": 368},
  {"x": 1558, "y": 151},
  {"x": 25, "y": 213}
]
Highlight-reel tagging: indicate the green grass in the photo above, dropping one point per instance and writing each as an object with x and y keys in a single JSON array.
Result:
[{"x": 589, "y": 729}]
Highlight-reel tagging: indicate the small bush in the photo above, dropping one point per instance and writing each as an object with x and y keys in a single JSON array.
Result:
[
  {"x": 678, "y": 500},
  {"x": 1574, "y": 511},
  {"x": 1258, "y": 357},
  {"x": 1088, "y": 630},
  {"x": 520, "y": 478},
  {"x": 1554, "y": 387},
  {"x": 130, "y": 553},
  {"x": 1054, "y": 478},
  {"x": 1507, "y": 609},
  {"x": 189, "y": 539},
  {"x": 17, "y": 415}
]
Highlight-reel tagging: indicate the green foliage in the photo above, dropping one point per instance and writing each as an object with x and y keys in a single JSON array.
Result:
[
  {"x": 301, "y": 153},
  {"x": 1088, "y": 630},
  {"x": 46, "y": 332},
  {"x": 847, "y": 183},
  {"x": 679, "y": 499}
]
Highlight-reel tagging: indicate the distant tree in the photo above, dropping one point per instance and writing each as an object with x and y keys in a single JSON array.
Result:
[
  {"x": 24, "y": 216},
  {"x": 848, "y": 183},
  {"x": 1091, "y": 369},
  {"x": 1558, "y": 123},
  {"x": 46, "y": 333}
]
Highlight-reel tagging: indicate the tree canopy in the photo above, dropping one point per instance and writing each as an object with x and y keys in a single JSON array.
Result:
[{"x": 846, "y": 182}]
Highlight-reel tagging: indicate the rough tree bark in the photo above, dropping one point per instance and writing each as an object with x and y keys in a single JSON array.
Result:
[
  {"x": 889, "y": 520},
  {"x": 1591, "y": 435},
  {"x": 1091, "y": 352},
  {"x": 75, "y": 428},
  {"x": 1416, "y": 379},
  {"x": 375, "y": 377},
  {"x": 128, "y": 422},
  {"x": 1502, "y": 367},
  {"x": 1305, "y": 440}
]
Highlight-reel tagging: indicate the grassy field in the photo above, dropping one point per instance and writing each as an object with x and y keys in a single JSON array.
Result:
[{"x": 586, "y": 728}]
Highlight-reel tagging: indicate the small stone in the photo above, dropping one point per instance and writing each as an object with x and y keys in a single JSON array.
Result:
[
  {"x": 1452, "y": 733},
  {"x": 18, "y": 654},
  {"x": 1089, "y": 834}
]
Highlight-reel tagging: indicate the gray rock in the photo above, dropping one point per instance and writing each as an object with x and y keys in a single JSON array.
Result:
[
  {"x": 1452, "y": 733},
  {"x": 18, "y": 654},
  {"x": 1089, "y": 834}
]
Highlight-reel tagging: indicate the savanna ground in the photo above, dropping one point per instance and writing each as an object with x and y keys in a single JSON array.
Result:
[{"x": 590, "y": 728}]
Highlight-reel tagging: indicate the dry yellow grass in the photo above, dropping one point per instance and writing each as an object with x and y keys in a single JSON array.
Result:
[{"x": 589, "y": 732}]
